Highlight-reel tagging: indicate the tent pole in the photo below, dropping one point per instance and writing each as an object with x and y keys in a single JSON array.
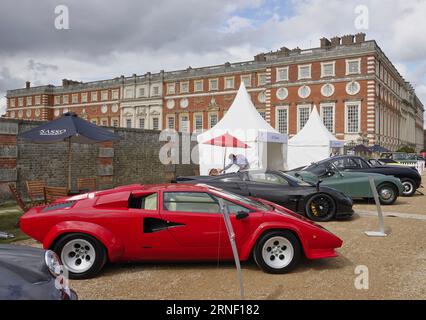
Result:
[
  {"x": 224, "y": 158},
  {"x": 69, "y": 163}
]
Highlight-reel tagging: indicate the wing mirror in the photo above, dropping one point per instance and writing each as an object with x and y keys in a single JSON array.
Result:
[{"x": 242, "y": 215}]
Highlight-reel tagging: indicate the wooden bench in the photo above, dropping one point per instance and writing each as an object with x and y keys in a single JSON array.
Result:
[
  {"x": 86, "y": 184},
  {"x": 18, "y": 198},
  {"x": 53, "y": 193}
]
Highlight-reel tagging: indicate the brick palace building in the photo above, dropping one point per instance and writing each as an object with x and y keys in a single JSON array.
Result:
[{"x": 359, "y": 93}]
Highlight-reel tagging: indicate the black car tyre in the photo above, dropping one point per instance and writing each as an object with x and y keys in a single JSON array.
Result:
[
  {"x": 320, "y": 207},
  {"x": 277, "y": 251},
  {"x": 409, "y": 187},
  {"x": 81, "y": 254},
  {"x": 388, "y": 193}
]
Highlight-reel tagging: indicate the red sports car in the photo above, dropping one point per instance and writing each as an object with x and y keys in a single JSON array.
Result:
[{"x": 173, "y": 222}]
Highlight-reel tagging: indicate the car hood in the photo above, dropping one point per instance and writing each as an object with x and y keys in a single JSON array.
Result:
[{"x": 22, "y": 264}]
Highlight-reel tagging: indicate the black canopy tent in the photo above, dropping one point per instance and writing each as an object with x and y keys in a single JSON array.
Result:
[{"x": 69, "y": 128}]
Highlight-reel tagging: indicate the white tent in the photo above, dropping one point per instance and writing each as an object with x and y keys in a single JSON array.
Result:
[
  {"x": 267, "y": 147},
  {"x": 313, "y": 143}
]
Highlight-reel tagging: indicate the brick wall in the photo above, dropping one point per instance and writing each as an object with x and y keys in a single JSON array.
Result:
[{"x": 133, "y": 159}]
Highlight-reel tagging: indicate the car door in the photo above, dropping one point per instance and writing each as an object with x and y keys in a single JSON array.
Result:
[{"x": 149, "y": 236}]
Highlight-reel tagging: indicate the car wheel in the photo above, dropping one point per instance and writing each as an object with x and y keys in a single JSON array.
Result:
[
  {"x": 82, "y": 255},
  {"x": 409, "y": 187},
  {"x": 320, "y": 207},
  {"x": 277, "y": 251},
  {"x": 387, "y": 193}
]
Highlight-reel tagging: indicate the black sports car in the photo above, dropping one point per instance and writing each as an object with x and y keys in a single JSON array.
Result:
[
  {"x": 28, "y": 273},
  {"x": 314, "y": 201},
  {"x": 410, "y": 177}
]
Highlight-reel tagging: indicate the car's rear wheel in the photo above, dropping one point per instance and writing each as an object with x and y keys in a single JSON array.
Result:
[
  {"x": 387, "y": 193},
  {"x": 81, "y": 254},
  {"x": 320, "y": 207},
  {"x": 409, "y": 187},
  {"x": 277, "y": 251}
]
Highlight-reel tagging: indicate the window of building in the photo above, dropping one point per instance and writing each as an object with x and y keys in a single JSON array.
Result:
[
  {"x": 184, "y": 87},
  {"x": 200, "y": 202},
  {"x": 353, "y": 87},
  {"x": 327, "y": 90},
  {"x": 198, "y": 85},
  {"x": 115, "y": 94},
  {"x": 171, "y": 122},
  {"x": 304, "y": 92},
  {"x": 105, "y": 123},
  {"x": 261, "y": 79},
  {"x": 282, "y": 74},
  {"x": 212, "y": 120},
  {"x": 229, "y": 83},
  {"x": 327, "y": 116},
  {"x": 155, "y": 123},
  {"x": 261, "y": 97},
  {"x": 171, "y": 88},
  {"x": 282, "y": 93},
  {"x": 65, "y": 99},
  {"x": 104, "y": 95},
  {"x": 198, "y": 122},
  {"x": 128, "y": 123},
  {"x": 37, "y": 100},
  {"x": 93, "y": 96},
  {"x": 246, "y": 79},
  {"x": 94, "y": 121},
  {"x": 327, "y": 69},
  {"x": 303, "y": 113},
  {"x": 57, "y": 99},
  {"x": 141, "y": 92},
  {"x": 281, "y": 119},
  {"x": 184, "y": 124},
  {"x": 84, "y": 97},
  {"x": 213, "y": 84},
  {"x": 352, "y": 117},
  {"x": 20, "y": 102},
  {"x": 115, "y": 123},
  {"x": 29, "y": 101},
  {"x": 142, "y": 123},
  {"x": 12, "y": 102},
  {"x": 353, "y": 66},
  {"x": 155, "y": 91},
  {"x": 304, "y": 71},
  {"x": 74, "y": 98}
]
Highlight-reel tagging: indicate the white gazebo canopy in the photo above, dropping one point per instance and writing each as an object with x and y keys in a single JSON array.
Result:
[
  {"x": 313, "y": 143},
  {"x": 267, "y": 147}
]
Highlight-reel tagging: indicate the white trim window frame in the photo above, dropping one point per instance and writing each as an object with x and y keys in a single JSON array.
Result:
[
  {"x": 184, "y": 87},
  {"x": 281, "y": 124},
  {"x": 171, "y": 122},
  {"x": 327, "y": 63},
  {"x": 74, "y": 98},
  {"x": 29, "y": 101},
  {"x": 37, "y": 100},
  {"x": 299, "y": 73},
  {"x": 216, "y": 87},
  {"x": 211, "y": 114},
  {"x": 279, "y": 75},
  {"x": 348, "y": 71},
  {"x": 20, "y": 102},
  {"x": 349, "y": 107},
  {"x": 226, "y": 82},
  {"x": 84, "y": 97},
  {"x": 104, "y": 95},
  {"x": 93, "y": 96},
  {"x": 247, "y": 82},
  {"x": 324, "y": 106},
  {"x": 12, "y": 102},
  {"x": 198, "y": 85},
  {"x": 65, "y": 99},
  {"x": 171, "y": 88},
  {"x": 306, "y": 116},
  {"x": 181, "y": 121},
  {"x": 260, "y": 76},
  {"x": 198, "y": 126}
]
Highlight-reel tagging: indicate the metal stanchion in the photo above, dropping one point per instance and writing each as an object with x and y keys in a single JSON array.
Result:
[
  {"x": 224, "y": 209},
  {"x": 381, "y": 232}
]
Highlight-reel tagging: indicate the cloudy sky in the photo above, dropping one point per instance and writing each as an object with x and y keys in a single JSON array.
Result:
[{"x": 109, "y": 38}]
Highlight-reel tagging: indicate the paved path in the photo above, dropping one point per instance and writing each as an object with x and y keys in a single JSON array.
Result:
[{"x": 393, "y": 214}]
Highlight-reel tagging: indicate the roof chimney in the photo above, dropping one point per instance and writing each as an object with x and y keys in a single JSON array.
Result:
[
  {"x": 360, "y": 37},
  {"x": 27, "y": 84},
  {"x": 285, "y": 51},
  {"x": 325, "y": 43},
  {"x": 335, "y": 41},
  {"x": 65, "y": 82},
  {"x": 348, "y": 39},
  {"x": 260, "y": 57}
]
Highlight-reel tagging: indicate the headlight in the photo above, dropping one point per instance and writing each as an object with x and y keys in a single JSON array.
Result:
[{"x": 53, "y": 263}]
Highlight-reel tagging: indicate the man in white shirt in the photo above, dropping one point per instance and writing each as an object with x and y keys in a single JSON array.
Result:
[{"x": 239, "y": 160}]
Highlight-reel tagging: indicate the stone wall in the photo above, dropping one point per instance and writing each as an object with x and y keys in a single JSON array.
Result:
[{"x": 133, "y": 159}]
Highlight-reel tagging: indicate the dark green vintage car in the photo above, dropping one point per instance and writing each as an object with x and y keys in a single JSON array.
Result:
[{"x": 355, "y": 184}]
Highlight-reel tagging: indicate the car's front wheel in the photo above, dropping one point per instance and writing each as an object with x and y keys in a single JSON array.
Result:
[
  {"x": 387, "y": 193},
  {"x": 320, "y": 207},
  {"x": 81, "y": 254},
  {"x": 409, "y": 187},
  {"x": 277, "y": 251}
]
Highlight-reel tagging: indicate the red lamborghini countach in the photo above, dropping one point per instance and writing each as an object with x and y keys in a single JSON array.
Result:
[{"x": 173, "y": 222}]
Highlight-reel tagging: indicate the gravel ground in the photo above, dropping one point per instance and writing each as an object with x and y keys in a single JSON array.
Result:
[{"x": 395, "y": 263}]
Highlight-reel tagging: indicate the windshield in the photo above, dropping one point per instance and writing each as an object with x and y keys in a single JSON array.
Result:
[
  {"x": 295, "y": 180},
  {"x": 247, "y": 201}
]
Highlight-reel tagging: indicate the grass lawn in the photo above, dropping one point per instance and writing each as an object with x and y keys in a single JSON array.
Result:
[{"x": 9, "y": 217}]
